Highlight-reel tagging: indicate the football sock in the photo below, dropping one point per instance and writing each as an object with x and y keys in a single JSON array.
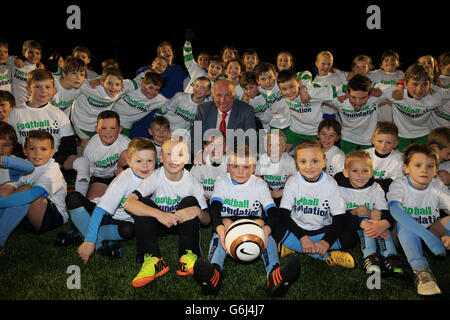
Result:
[
  {"x": 387, "y": 246},
  {"x": 402, "y": 217},
  {"x": 9, "y": 219},
  {"x": 270, "y": 256},
  {"x": 82, "y": 166},
  {"x": 80, "y": 218},
  {"x": 217, "y": 253},
  {"x": 368, "y": 244},
  {"x": 107, "y": 232},
  {"x": 447, "y": 227}
]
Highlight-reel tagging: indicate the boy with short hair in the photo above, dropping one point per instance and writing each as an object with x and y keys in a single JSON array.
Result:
[
  {"x": 92, "y": 101},
  {"x": 137, "y": 104},
  {"x": 254, "y": 98},
  {"x": 102, "y": 225},
  {"x": 329, "y": 133},
  {"x": 275, "y": 166},
  {"x": 159, "y": 130},
  {"x": 386, "y": 159},
  {"x": 39, "y": 195},
  {"x": 32, "y": 52},
  {"x": 414, "y": 202},
  {"x": 312, "y": 211},
  {"x": 7, "y": 103},
  {"x": 170, "y": 201},
  {"x": 5, "y": 66},
  {"x": 439, "y": 140},
  {"x": 367, "y": 208},
  {"x": 68, "y": 84},
  {"x": 412, "y": 113},
  {"x": 38, "y": 113},
  {"x": 240, "y": 185},
  {"x": 84, "y": 54}
]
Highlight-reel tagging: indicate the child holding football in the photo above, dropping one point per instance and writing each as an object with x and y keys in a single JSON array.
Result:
[{"x": 239, "y": 185}]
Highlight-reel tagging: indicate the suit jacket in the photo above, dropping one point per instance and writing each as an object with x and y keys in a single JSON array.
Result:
[{"x": 242, "y": 117}]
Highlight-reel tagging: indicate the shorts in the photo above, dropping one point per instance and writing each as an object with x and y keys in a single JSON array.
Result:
[
  {"x": 106, "y": 181},
  {"x": 52, "y": 219}
]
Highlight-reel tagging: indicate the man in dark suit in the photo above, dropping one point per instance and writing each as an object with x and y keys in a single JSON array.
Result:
[{"x": 225, "y": 114}]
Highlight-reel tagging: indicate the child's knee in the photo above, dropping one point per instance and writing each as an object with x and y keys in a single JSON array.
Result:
[
  {"x": 74, "y": 200},
  {"x": 126, "y": 230},
  {"x": 189, "y": 201}
]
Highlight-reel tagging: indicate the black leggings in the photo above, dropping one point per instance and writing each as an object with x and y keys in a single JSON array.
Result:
[{"x": 148, "y": 229}]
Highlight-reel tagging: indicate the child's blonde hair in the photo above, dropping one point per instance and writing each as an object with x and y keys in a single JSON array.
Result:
[
  {"x": 357, "y": 154},
  {"x": 324, "y": 53},
  {"x": 439, "y": 137},
  {"x": 309, "y": 143},
  {"x": 138, "y": 144}
]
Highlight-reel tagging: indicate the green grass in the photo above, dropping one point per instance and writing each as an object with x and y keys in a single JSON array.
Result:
[{"x": 32, "y": 268}]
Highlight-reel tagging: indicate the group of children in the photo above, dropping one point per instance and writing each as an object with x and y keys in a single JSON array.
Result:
[{"x": 348, "y": 156}]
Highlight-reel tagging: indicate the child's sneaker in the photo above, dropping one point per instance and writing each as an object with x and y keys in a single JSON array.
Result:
[
  {"x": 186, "y": 264},
  {"x": 67, "y": 238},
  {"x": 208, "y": 275},
  {"x": 394, "y": 267},
  {"x": 341, "y": 258},
  {"x": 283, "y": 251},
  {"x": 110, "y": 249},
  {"x": 280, "y": 278},
  {"x": 426, "y": 282},
  {"x": 372, "y": 262},
  {"x": 151, "y": 269}
]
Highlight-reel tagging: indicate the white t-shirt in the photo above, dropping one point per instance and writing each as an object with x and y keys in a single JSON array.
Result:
[
  {"x": 312, "y": 204},
  {"x": 383, "y": 77},
  {"x": 244, "y": 200},
  {"x": 104, "y": 159},
  {"x": 19, "y": 82},
  {"x": 261, "y": 109},
  {"x": 440, "y": 117},
  {"x": 5, "y": 75},
  {"x": 333, "y": 79},
  {"x": 422, "y": 205},
  {"x": 207, "y": 175},
  {"x": 275, "y": 174},
  {"x": 390, "y": 167},
  {"x": 134, "y": 106},
  {"x": 192, "y": 67},
  {"x": 24, "y": 119},
  {"x": 412, "y": 116},
  {"x": 117, "y": 193},
  {"x": 281, "y": 116},
  {"x": 63, "y": 98},
  {"x": 372, "y": 197},
  {"x": 335, "y": 160},
  {"x": 49, "y": 177},
  {"x": 167, "y": 194},
  {"x": 93, "y": 101},
  {"x": 180, "y": 110}
]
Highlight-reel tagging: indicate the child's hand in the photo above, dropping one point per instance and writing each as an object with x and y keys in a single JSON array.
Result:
[
  {"x": 168, "y": 219},
  {"x": 304, "y": 95},
  {"x": 375, "y": 214},
  {"x": 360, "y": 211},
  {"x": 446, "y": 241},
  {"x": 307, "y": 245},
  {"x": 19, "y": 63},
  {"x": 187, "y": 214},
  {"x": 322, "y": 247},
  {"x": 444, "y": 176},
  {"x": 341, "y": 99},
  {"x": 96, "y": 82},
  {"x": 375, "y": 92},
  {"x": 376, "y": 228},
  {"x": 86, "y": 250},
  {"x": 397, "y": 94}
]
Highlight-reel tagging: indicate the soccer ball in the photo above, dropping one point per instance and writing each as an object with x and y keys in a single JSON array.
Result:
[{"x": 245, "y": 240}]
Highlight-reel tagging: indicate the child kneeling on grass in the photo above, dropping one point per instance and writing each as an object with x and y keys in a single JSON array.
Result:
[
  {"x": 240, "y": 184},
  {"x": 39, "y": 195},
  {"x": 170, "y": 201},
  {"x": 414, "y": 202},
  {"x": 312, "y": 210},
  {"x": 103, "y": 224}
]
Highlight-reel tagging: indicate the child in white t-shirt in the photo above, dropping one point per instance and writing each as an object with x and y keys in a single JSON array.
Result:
[
  {"x": 239, "y": 185},
  {"x": 367, "y": 208},
  {"x": 102, "y": 225},
  {"x": 92, "y": 101},
  {"x": 159, "y": 131},
  {"x": 212, "y": 165},
  {"x": 312, "y": 211},
  {"x": 275, "y": 166},
  {"x": 256, "y": 100},
  {"x": 441, "y": 116},
  {"x": 329, "y": 133},
  {"x": 414, "y": 202},
  {"x": 138, "y": 103},
  {"x": 170, "y": 201},
  {"x": 7, "y": 103},
  {"x": 39, "y": 195},
  {"x": 5, "y": 65},
  {"x": 68, "y": 84},
  {"x": 387, "y": 161},
  {"x": 233, "y": 70},
  {"x": 439, "y": 140}
]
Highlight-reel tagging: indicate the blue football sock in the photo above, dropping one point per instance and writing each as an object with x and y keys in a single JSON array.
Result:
[
  {"x": 368, "y": 244},
  {"x": 402, "y": 217},
  {"x": 107, "y": 232},
  {"x": 80, "y": 218},
  {"x": 447, "y": 227},
  {"x": 270, "y": 256},
  {"x": 387, "y": 246},
  {"x": 9, "y": 220},
  {"x": 217, "y": 254}
]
